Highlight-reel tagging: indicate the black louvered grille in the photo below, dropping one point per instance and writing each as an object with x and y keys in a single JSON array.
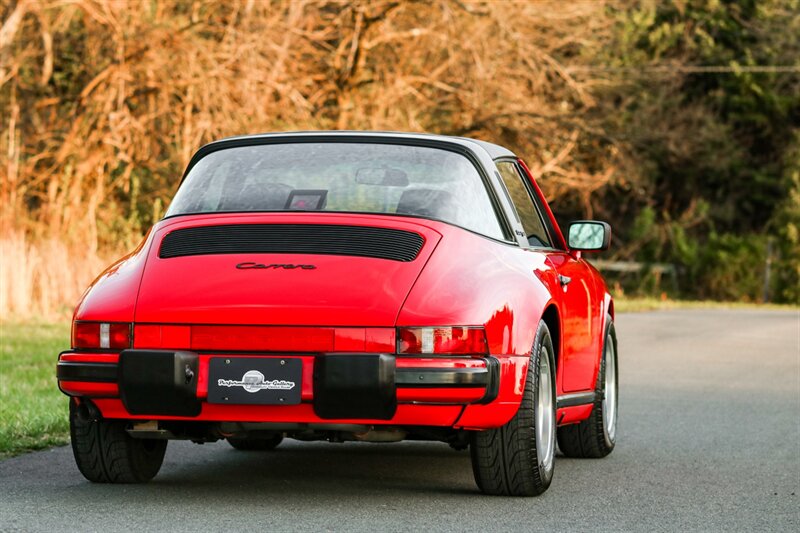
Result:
[{"x": 383, "y": 243}]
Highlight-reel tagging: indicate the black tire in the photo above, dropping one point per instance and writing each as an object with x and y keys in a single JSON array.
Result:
[
  {"x": 591, "y": 438},
  {"x": 256, "y": 444},
  {"x": 505, "y": 461},
  {"x": 105, "y": 453}
]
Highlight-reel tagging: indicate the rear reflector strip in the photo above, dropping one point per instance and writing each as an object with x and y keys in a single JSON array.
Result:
[
  {"x": 264, "y": 338},
  {"x": 325, "y": 239}
]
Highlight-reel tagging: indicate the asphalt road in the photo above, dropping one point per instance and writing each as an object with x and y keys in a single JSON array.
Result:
[{"x": 709, "y": 439}]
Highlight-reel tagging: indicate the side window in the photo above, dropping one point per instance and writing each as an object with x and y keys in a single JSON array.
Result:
[{"x": 526, "y": 208}]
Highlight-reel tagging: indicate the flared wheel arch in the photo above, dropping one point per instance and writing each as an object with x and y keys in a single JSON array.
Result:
[{"x": 552, "y": 318}]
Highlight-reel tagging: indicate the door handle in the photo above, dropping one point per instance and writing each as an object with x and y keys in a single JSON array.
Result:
[{"x": 564, "y": 280}]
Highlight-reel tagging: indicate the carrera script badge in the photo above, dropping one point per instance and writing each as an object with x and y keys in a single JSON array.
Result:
[
  {"x": 275, "y": 266},
  {"x": 253, "y": 381}
]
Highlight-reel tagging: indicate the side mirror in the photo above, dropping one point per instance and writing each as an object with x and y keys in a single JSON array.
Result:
[{"x": 588, "y": 235}]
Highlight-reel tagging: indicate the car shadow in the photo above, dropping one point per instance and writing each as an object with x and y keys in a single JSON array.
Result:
[
  {"x": 296, "y": 471},
  {"x": 302, "y": 470}
]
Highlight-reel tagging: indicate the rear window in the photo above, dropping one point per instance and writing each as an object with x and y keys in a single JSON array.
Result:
[{"x": 340, "y": 177}]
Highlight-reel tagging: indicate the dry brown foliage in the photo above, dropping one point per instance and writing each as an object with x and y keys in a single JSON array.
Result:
[{"x": 89, "y": 156}]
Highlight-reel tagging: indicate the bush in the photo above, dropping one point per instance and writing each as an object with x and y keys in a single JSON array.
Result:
[
  {"x": 786, "y": 225},
  {"x": 730, "y": 267}
]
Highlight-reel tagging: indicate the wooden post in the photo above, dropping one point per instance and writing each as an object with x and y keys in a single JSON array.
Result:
[{"x": 767, "y": 270}]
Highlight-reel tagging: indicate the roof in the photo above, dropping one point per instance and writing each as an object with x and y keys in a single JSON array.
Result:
[{"x": 495, "y": 151}]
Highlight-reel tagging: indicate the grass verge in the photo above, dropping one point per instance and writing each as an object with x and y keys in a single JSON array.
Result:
[
  {"x": 33, "y": 412},
  {"x": 635, "y": 305}
]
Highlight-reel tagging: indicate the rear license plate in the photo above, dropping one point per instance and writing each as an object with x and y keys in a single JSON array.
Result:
[{"x": 255, "y": 380}]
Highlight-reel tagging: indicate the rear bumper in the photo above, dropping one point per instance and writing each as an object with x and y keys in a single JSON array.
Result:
[{"x": 421, "y": 391}]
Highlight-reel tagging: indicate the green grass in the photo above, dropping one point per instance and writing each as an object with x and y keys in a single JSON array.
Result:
[
  {"x": 33, "y": 412},
  {"x": 634, "y": 305}
]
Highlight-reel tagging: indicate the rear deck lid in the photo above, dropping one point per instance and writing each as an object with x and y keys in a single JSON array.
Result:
[{"x": 283, "y": 269}]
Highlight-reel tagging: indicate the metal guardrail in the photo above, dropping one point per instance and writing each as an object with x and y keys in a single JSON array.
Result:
[{"x": 658, "y": 269}]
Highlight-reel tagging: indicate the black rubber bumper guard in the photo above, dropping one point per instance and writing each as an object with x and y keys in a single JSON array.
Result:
[{"x": 357, "y": 385}]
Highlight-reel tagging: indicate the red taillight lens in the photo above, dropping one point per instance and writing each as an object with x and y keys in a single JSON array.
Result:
[
  {"x": 111, "y": 335},
  {"x": 445, "y": 340}
]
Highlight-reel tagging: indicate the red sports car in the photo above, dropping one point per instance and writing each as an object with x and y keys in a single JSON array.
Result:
[{"x": 349, "y": 286}]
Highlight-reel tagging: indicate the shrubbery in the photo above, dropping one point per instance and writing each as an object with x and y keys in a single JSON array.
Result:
[{"x": 656, "y": 116}]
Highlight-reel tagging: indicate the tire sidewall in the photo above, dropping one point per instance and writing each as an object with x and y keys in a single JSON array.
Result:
[
  {"x": 543, "y": 340},
  {"x": 609, "y": 334}
]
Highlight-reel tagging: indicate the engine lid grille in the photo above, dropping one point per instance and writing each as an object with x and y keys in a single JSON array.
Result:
[{"x": 326, "y": 239}]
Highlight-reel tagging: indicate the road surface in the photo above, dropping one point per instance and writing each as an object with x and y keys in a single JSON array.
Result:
[{"x": 709, "y": 439}]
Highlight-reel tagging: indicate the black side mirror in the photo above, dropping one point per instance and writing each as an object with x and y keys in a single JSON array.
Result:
[{"x": 588, "y": 235}]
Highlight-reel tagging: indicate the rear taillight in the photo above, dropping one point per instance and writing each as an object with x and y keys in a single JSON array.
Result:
[
  {"x": 101, "y": 335},
  {"x": 442, "y": 340}
]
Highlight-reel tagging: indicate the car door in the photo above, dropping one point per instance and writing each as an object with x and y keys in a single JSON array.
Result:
[
  {"x": 575, "y": 293},
  {"x": 578, "y": 320}
]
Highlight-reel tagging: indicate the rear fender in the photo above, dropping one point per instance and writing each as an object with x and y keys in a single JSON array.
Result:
[
  {"x": 470, "y": 281},
  {"x": 112, "y": 295},
  {"x": 514, "y": 370}
]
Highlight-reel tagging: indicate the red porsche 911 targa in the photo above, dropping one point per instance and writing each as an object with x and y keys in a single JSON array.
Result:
[{"x": 350, "y": 286}]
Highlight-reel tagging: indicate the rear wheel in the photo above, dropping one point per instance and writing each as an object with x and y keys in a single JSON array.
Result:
[
  {"x": 105, "y": 453},
  {"x": 597, "y": 435},
  {"x": 517, "y": 459},
  {"x": 256, "y": 444}
]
